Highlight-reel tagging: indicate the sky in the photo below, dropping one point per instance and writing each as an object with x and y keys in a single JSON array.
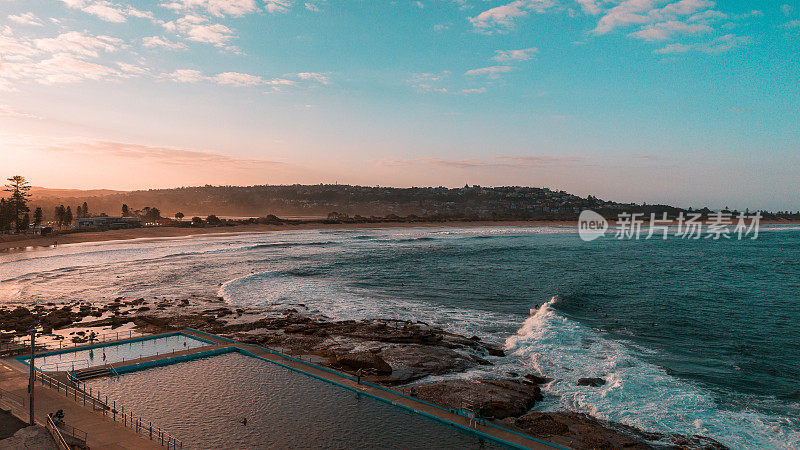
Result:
[{"x": 685, "y": 102}]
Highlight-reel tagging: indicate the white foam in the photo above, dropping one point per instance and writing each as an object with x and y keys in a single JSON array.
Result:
[{"x": 636, "y": 392}]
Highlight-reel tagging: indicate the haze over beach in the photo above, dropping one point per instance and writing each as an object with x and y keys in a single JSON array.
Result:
[{"x": 410, "y": 224}]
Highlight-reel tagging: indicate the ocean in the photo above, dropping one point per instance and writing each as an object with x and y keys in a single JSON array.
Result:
[{"x": 691, "y": 336}]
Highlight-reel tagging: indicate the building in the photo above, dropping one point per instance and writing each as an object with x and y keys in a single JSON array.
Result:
[{"x": 111, "y": 223}]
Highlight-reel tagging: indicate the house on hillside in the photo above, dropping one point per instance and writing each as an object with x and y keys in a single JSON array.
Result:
[{"x": 110, "y": 223}]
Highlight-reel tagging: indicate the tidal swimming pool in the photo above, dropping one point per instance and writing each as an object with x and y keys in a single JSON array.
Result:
[
  {"x": 116, "y": 352},
  {"x": 203, "y": 402}
]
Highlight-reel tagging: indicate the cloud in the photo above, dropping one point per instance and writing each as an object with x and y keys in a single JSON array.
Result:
[
  {"x": 235, "y": 79},
  {"x": 667, "y": 30},
  {"x": 792, "y": 24},
  {"x": 681, "y": 8},
  {"x": 8, "y": 111},
  {"x": 163, "y": 155},
  {"x": 502, "y": 161},
  {"x": 717, "y": 45},
  {"x": 672, "y": 49},
  {"x": 217, "y": 8},
  {"x": 62, "y": 59},
  {"x": 60, "y": 68},
  {"x": 312, "y": 7},
  {"x": 199, "y": 29},
  {"x": 277, "y": 6},
  {"x": 186, "y": 76},
  {"x": 627, "y": 12},
  {"x": 724, "y": 43},
  {"x": 14, "y": 48},
  {"x": 523, "y": 54},
  {"x": 27, "y": 18},
  {"x": 502, "y": 18},
  {"x": 491, "y": 72},
  {"x": 590, "y": 6},
  {"x": 314, "y": 76},
  {"x": 238, "y": 79},
  {"x": 786, "y": 9},
  {"x": 107, "y": 11},
  {"x": 78, "y": 43},
  {"x": 160, "y": 42},
  {"x": 473, "y": 91}
]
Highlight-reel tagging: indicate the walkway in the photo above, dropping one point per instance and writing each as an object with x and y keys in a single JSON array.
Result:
[{"x": 102, "y": 431}]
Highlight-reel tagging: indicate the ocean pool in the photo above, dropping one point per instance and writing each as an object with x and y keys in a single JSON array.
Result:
[
  {"x": 203, "y": 402},
  {"x": 101, "y": 354}
]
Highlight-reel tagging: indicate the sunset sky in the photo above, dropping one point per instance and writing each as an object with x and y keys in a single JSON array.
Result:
[{"x": 690, "y": 102}]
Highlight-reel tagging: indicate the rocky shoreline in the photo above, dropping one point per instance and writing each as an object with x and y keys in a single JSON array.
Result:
[{"x": 394, "y": 353}]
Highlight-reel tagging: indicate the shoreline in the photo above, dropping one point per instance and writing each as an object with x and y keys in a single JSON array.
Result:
[
  {"x": 175, "y": 232},
  {"x": 31, "y": 243}
]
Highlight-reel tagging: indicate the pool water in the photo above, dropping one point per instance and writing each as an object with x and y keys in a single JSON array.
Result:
[
  {"x": 202, "y": 402},
  {"x": 118, "y": 352}
]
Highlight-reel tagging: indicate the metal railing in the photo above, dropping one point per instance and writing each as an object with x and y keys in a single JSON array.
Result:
[
  {"x": 96, "y": 339},
  {"x": 61, "y": 442},
  {"x": 126, "y": 418},
  {"x": 64, "y": 366}
]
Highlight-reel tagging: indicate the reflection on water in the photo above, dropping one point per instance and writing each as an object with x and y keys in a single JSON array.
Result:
[
  {"x": 203, "y": 402},
  {"x": 114, "y": 353}
]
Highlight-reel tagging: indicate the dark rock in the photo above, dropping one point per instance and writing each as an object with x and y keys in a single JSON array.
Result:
[
  {"x": 593, "y": 382},
  {"x": 536, "y": 379},
  {"x": 497, "y": 399},
  {"x": 364, "y": 360},
  {"x": 545, "y": 424},
  {"x": 494, "y": 351}
]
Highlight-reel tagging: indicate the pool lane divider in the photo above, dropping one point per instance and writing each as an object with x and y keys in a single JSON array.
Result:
[{"x": 378, "y": 397}]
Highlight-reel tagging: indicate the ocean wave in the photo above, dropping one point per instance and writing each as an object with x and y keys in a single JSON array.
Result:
[
  {"x": 279, "y": 245},
  {"x": 636, "y": 393}
]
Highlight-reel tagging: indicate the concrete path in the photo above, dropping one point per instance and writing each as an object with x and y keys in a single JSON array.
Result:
[{"x": 102, "y": 432}]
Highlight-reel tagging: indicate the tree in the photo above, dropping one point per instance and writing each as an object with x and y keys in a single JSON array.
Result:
[
  {"x": 26, "y": 222},
  {"x": 68, "y": 216},
  {"x": 38, "y": 216},
  {"x": 213, "y": 220},
  {"x": 85, "y": 210},
  {"x": 179, "y": 215},
  {"x": 125, "y": 211},
  {"x": 151, "y": 214},
  {"x": 20, "y": 193},
  {"x": 197, "y": 221},
  {"x": 5, "y": 215},
  {"x": 79, "y": 211},
  {"x": 58, "y": 215}
]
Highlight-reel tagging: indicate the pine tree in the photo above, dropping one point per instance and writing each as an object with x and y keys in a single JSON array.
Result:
[
  {"x": 26, "y": 222},
  {"x": 20, "y": 193},
  {"x": 59, "y": 215},
  {"x": 38, "y": 216},
  {"x": 5, "y": 215},
  {"x": 125, "y": 211},
  {"x": 85, "y": 210},
  {"x": 68, "y": 216}
]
